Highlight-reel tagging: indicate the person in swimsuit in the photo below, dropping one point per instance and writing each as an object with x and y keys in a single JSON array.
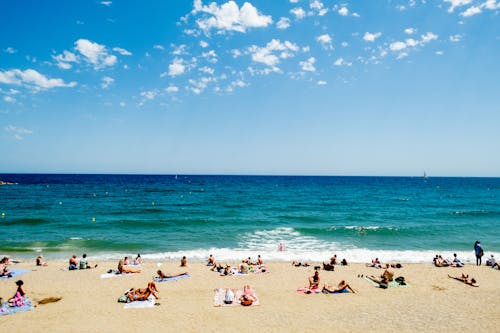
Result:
[
  {"x": 184, "y": 262},
  {"x": 465, "y": 279},
  {"x": 162, "y": 275},
  {"x": 314, "y": 280},
  {"x": 121, "y": 269},
  {"x": 40, "y": 262},
  {"x": 142, "y": 294},
  {"x": 211, "y": 261},
  {"x": 73, "y": 263},
  {"x": 138, "y": 259},
  {"x": 18, "y": 298},
  {"x": 340, "y": 287}
]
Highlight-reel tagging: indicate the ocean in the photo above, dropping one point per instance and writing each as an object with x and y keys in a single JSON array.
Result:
[{"x": 165, "y": 217}]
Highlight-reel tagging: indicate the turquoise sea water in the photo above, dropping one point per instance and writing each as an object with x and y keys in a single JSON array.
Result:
[{"x": 165, "y": 217}]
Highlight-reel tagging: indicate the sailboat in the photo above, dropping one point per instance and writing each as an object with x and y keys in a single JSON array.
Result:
[{"x": 425, "y": 176}]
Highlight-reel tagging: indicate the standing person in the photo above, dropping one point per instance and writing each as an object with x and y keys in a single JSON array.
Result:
[{"x": 478, "y": 250}]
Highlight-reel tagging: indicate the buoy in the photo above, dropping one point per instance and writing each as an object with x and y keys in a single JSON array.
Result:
[
  {"x": 60, "y": 202},
  {"x": 93, "y": 219},
  {"x": 152, "y": 203},
  {"x": 3, "y": 215}
]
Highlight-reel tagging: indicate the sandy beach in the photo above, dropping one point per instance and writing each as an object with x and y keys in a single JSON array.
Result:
[{"x": 430, "y": 301}]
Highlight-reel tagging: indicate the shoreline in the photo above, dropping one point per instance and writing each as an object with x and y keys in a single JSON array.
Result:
[{"x": 89, "y": 303}]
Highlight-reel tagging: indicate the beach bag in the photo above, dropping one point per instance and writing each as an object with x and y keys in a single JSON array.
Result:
[
  {"x": 383, "y": 285},
  {"x": 400, "y": 280}
]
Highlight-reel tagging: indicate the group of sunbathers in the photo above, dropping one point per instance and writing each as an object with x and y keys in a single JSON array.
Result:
[
  {"x": 73, "y": 262},
  {"x": 439, "y": 261},
  {"x": 314, "y": 283},
  {"x": 248, "y": 296},
  {"x": 246, "y": 266}
]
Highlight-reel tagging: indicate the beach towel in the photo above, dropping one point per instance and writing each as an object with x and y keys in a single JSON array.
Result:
[
  {"x": 307, "y": 290},
  {"x": 392, "y": 284},
  {"x": 112, "y": 275},
  {"x": 174, "y": 278},
  {"x": 149, "y": 303},
  {"x": 14, "y": 273},
  {"x": 345, "y": 291},
  {"x": 220, "y": 293},
  {"x": 5, "y": 309}
]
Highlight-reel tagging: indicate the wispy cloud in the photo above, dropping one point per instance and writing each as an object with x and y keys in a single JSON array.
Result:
[
  {"x": 17, "y": 132},
  {"x": 32, "y": 79}
]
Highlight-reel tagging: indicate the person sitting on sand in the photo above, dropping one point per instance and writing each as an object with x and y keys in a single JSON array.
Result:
[
  {"x": 340, "y": 287},
  {"x": 465, "y": 279},
  {"x": 491, "y": 261},
  {"x": 248, "y": 291},
  {"x": 184, "y": 261},
  {"x": 333, "y": 260},
  {"x": 18, "y": 298},
  {"x": 387, "y": 274},
  {"x": 125, "y": 261},
  {"x": 456, "y": 262},
  {"x": 73, "y": 263},
  {"x": 440, "y": 262},
  {"x": 211, "y": 261},
  {"x": 328, "y": 267},
  {"x": 217, "y": 268},
  {"x": 162, "y": 275},
  {"x": 40, "y": 262},
  {"x": 375, "y": 263},
  {"x": 343, "y": 262},
  {"x": 314, "y": 280},
  {"x": 4, "y": 270},
  {"x": 122, "y": 269},
  {"x": 138, "y": 259},
  {"x": 246, "y": 300},
  {"x": 142, "y": 294},
  {"x": 227, "y": 270},
  {"x": 259, "y": 260},
  {"x": 84, "y": 264},
  {"x": 243, "y": 267}
]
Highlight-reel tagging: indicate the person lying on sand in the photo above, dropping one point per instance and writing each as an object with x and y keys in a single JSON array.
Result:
[
  {"x": 440, "y": 262},
  {"x": 465, "y": 279},
  {"x": 314, "y": 280},
  {"x": 375, "y": 263},
  {"x": 122, "y": 269},
  {"x": 298, "y": 264},
  {"x": 340, "y": 287},
  {"x": 142, "y": 294},
  {"x": 387, "y": 274},
  {"x": 249, "y": 292},
  {"x": 162, "y": 275}
]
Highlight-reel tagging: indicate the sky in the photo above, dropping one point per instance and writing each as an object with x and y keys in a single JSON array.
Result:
[{"x": 282, "y": 87}]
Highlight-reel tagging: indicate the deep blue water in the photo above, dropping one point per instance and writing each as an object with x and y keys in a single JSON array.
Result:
[{"x": 168, "y": 216}]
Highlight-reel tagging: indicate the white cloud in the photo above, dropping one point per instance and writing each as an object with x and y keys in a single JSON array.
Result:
[
  {"x": 298, "y": 12},
  {"x": 491, "y": 4},
  {"x": 283, "y": 23},
  {"x": 10, "y": 50},
  {"x": 410, "y": 31},
  {"x": 123, "y": 104},
  {"x": 207, "y": 70},
  {"x": 17, "y": 132},
  {"x": 274, "y": 50},
  {"x": 171, "y": 89},
  {"x": 95, "y": 53},
  {"x": 122, "y": 51},
  {"x": 32, "y": 79},
  {"x": 319, "y": 7},
  {"x": 370, "y": 37},
  {"x": 428, "y": 37},
  {"x": 229, "y": 17},
  {"x": 344, "y": 44},
  {"x": 308, "y": 65},
  {"x": 456, "y": 38},
  {"x": 177, "y": 67},
  {"x": 179, "y": 50},
  {"x": 411, "y": 42},
  {"x": 106, "y": 82},
  {"x": 294, "y": 1},
  {"x": 326, "y": 41},
  {"x": 457, "y": 3},
  {"x": 106, "y": 3},
  {"x": 397, "y": 46},
  {"x": 65, "y": 59},
  {"x": 471, "y": 11},
  {"x": 158, "y": 47},
  {"x": 342, "y": 62},
  {"x": 150, "y": 95},
  {"x": 321, "y": 83},
  {"x": 203, "y": 44},
  {"x": 9, "y": 99},
  {"x": 343, "y": 11},
  {"x": 439, "y": 53},
  {"x": 210, "y": 56}
]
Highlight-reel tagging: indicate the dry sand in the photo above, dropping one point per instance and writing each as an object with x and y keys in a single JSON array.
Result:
[{"x": 430, "y": 302}]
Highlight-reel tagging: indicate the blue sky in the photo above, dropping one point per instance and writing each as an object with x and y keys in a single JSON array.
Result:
[{"x": 259, "y": 87}]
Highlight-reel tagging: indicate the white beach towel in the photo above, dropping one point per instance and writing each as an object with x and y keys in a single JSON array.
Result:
[
  {"x": 112, "y": 275},
  {"x": 149, "y": 303},
  {"x": 220, "y": 293}
]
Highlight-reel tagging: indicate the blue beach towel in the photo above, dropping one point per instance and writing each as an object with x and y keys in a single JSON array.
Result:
[
  {"x": 6, "y": 310},
  {"x": 175, "y": 278},
  {"x": 345, "y": 291},
  {"x": 15, "y": 272}
]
